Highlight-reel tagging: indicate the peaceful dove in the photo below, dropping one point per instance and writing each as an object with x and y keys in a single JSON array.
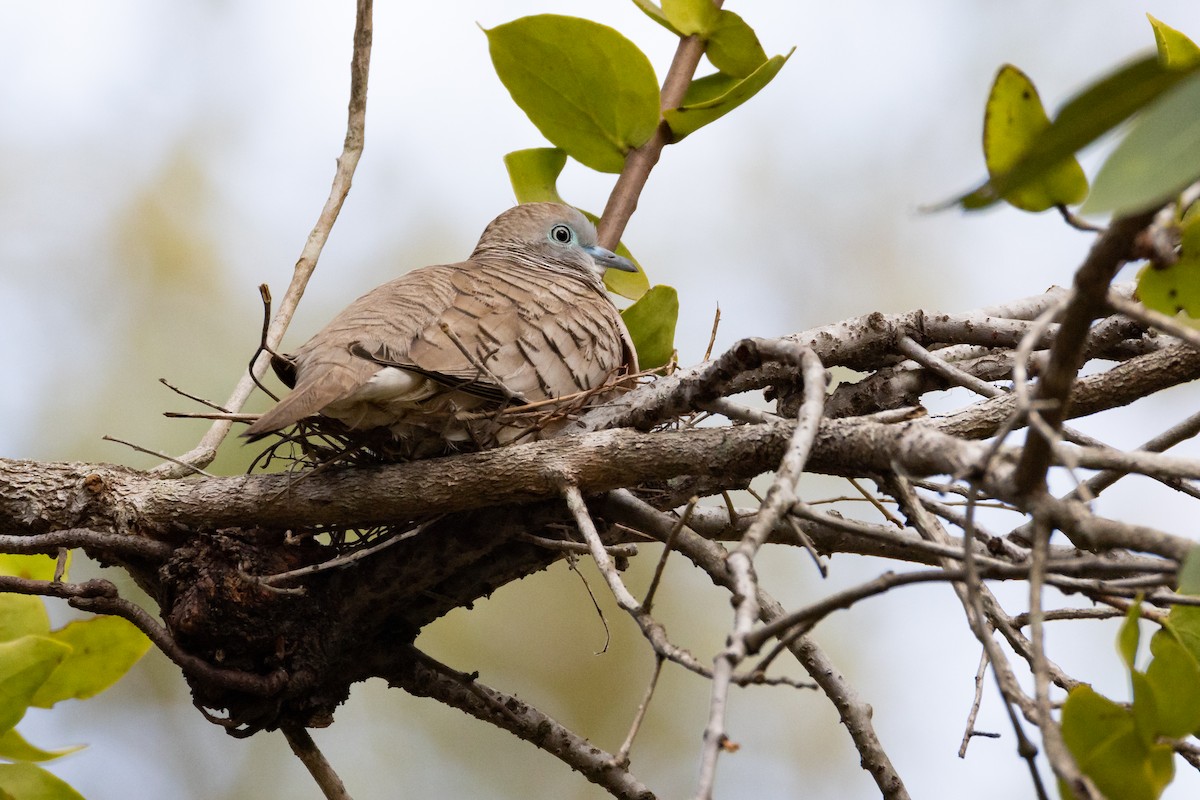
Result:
[{"x": 438, "y": 355}]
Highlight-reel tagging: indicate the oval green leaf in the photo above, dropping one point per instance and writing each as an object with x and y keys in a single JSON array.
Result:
[
  {"x": 655, "y": 13},
  {"x": 691, "y": 117},
  {"x": 691, "y": 17},
  {"x": 1129, "y": 635},
  {"x": 1102, "y": 737},
  {"x": 1174, "y": 680},
  {"x": 534, "y": 174},
  {"x": 733, "y": 47},
  {"x": 1012, "y": 122},
  {"x": 1175, "y": 51},
  {"x": 14, "y": 748},
  {"x": 25, "y": 665},
  {"x": 1171, "y": 290},
  {"x": 1157, "y": 159},
  {"x": 22, "y": 615},
  {"x": 29, "y": 782},
  {"x": 36, "y": 568},
  {"x": 1093, "y": 112},
  {"x": 102, "y": 650},
  {"x": 587, "y": 88},
  {"x": 1189, "y": 570},
  {"x": 651, "y": 324}
]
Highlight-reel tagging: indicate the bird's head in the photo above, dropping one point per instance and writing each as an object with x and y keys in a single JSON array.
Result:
[{"x": 548, "y": 235}]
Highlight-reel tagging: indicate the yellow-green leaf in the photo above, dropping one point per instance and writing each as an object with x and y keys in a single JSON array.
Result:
[
  {"x": 1189, "y": 570},
  {"x": 37, "y": 568},
  {"x": 691, "y": 117},
  {"x": 22, "y": 615},
  {"x": 651, "y": 324},
  {"x": 103, "y": 649},
  {"x": 587, "y": 88},
  {"x": 1174, "y": 680},
  {"x": 1175, "y": 51},
  {"x": 1157, "y": 158},
  {"x": 1172, "y": 289},
  {"x": 14, "y": 748},
  {"x": 29, "y": 782},
  {"x": 709, "y": 87},
  {"x": 534, "y": 174},
  {"x": 1130, "y": 633},
  {"x": 1102, "y": 737},
  {"x": 1013, "y": 121},
  {"x": 691, "y": 17},
  {"x": 1099, "y": 108},
  {"x": 655, "y": 13},
  {"x": 25, "y": 665},
  {"x": 733, "y": 47}
]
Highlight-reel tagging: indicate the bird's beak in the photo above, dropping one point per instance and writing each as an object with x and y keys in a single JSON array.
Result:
[{"x": 607, "y": 259}]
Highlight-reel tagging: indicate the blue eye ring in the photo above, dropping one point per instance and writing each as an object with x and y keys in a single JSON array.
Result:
[{"x": 562, "y": 234}]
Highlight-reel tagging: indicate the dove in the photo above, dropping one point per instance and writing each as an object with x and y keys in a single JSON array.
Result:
[{"x": 440, "y": 356}]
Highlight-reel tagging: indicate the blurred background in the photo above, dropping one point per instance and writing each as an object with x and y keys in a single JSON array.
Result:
[{"x": 160, "y": 160}]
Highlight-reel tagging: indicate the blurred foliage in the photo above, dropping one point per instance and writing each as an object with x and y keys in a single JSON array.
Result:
[
  {"x": 41, "y": 667},
  {"x": 1126, "y": 749}
]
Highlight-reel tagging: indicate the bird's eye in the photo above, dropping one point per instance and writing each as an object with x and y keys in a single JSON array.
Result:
[{"x": 561, "y": 234}]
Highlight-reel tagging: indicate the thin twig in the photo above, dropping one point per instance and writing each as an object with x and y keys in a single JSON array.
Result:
[
  {"x": 302, "y": 744},
  {"x": 621, "y": 757},
  {"x": 652, "y": 629},
  {"x": 352, "y": 148}
]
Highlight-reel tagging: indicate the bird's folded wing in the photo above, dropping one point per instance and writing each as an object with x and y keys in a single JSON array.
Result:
[
  {"x": 327, "y": 372},
  {"x": 534, "y": 333}
]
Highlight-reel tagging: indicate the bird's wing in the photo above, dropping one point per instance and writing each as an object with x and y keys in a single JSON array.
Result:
[
  {"x": 326, "y": 371},
  {"x": 533, "y": 334}
]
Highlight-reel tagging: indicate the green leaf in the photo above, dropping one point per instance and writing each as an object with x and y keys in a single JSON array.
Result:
[
  {"x": 534, "y": 174},
  {"x": 1189, "y": 570},
  {"x": 1096, "y": 110},
  {"x": 1174, "y": 681},
  {"x": 1013, "y": 121},
  {"x": 1102, "y": 737},
  {"x": 655, "y": 13},
  {"x": 25, "y": 665},
  {"x": 733, "y": 47},
  {"x": 651, "y": 324},
  {"x": 710, "y": 87},
  {"x": 22, "y": 615},
  {"x": 1157, "y": 158},
  {"x": 1172, "y": 289},
  {"x": 37, "y": 568},
  {"x": 103, "y": 649},
  {"x": 1175, "y": 51},
  {"x": 1130, "y": 633},
  {"x": 29, "y": 782},
  {"x": 1144, "y": 708},
  {"x": 691, "y": 17},
  {"x": 14, "y": 748},
  {"x": 691, "y": 117},
  {"x": 587, "y": 88}
]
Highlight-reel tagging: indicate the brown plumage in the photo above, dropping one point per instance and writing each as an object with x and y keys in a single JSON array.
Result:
[{"x": 437, "y": 355}]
